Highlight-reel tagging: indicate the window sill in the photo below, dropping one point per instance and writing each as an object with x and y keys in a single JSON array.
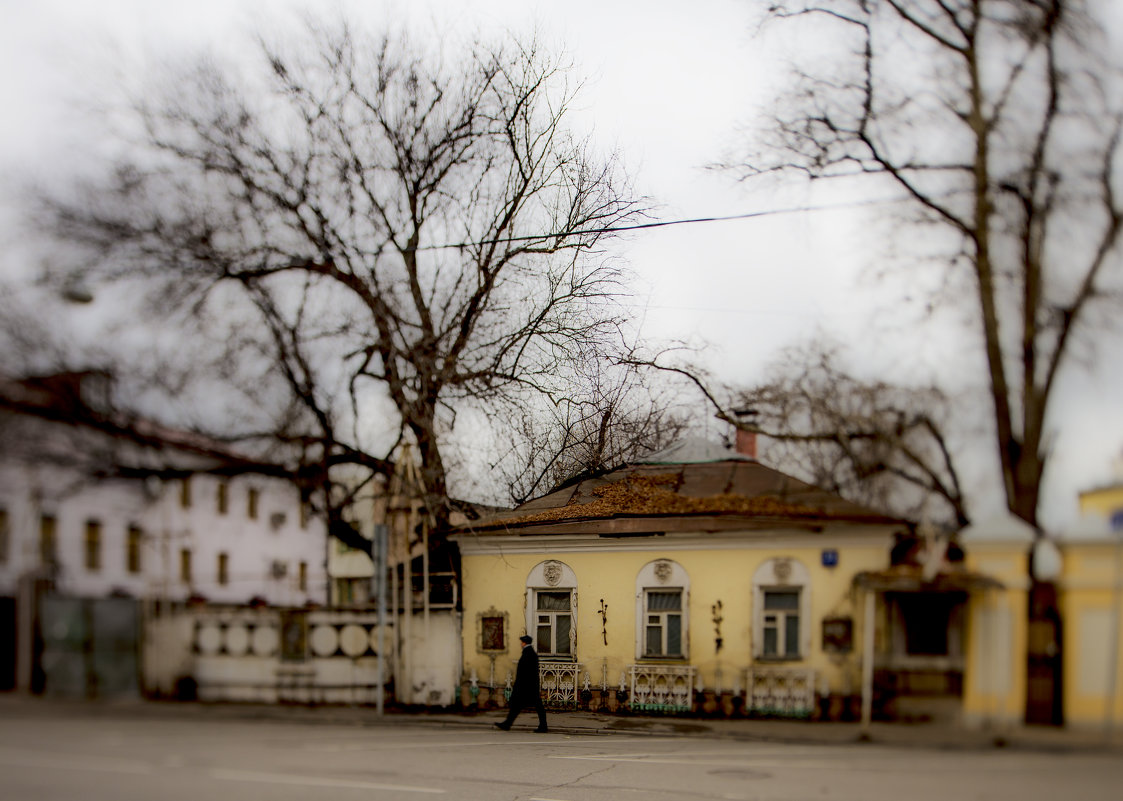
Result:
[
  {"x": 778, "y": 660},
  {"x": 656, "y": 660}
]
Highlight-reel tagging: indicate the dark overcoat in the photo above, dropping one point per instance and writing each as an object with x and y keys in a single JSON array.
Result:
[{"x": 526, "y": 688}]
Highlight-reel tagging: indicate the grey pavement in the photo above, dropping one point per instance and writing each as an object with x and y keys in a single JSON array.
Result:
[{"x": 907, "y": 735}]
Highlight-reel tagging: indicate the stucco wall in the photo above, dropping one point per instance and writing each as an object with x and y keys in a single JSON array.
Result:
[
  {"x": 1090, "y": 610},
  {"x": 237, "y": 654},
  {"x": 264, "y": 553},
  {"x": 994, "y": 682},
  {"x": 725, "y": 574}
]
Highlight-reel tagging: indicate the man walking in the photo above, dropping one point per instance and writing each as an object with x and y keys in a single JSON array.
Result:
[{"x": 525, "y": 692}]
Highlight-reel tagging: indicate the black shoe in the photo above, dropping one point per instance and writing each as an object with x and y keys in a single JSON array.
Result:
[
  {"x": 503, "y": 726},
  {"x": 541, "y": 731}
]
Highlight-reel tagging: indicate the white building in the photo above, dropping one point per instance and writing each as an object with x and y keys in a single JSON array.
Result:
[
  {"x": 225, "y": 540},
  {"x": 92, "y": 511}
]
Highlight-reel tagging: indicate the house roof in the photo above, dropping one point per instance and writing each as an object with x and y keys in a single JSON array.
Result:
[
  {"x": 82, "y": 400},
  {"x": 715, "y": 490}
]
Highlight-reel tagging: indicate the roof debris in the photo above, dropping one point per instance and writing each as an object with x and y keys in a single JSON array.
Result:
[{"x": 658, "y": 495}]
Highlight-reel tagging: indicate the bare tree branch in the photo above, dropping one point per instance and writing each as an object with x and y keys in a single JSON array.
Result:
[{"x": 320, "y": 197}]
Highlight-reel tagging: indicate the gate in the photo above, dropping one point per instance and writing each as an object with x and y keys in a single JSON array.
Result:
[
  {"x": 7, "y": 644},
  {"x": 1043, "y": 667},
  {"x": 89, "y": 646}
]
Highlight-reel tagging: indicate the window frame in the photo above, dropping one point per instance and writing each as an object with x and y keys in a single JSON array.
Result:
[
  {"x": 48, "y": 539},
  {"x": 91, "y": 550},
  {"x": 782, "y": 574},
  {"x": 662, "y": 576},
  {"x": 663, "y": 623},
  {"x": 5, "y": 535},
  {"x": 185, "y": 566},
  {"x": 785, "y": 648},
  {"x": 550, "y": 618},
  {"x": 552, "y": 576},
  {"x": 134, "y": 541}
]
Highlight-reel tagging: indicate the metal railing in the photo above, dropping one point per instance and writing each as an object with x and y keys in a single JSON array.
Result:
[
  {"x": 558, "y": 683},
  {"x": 784, "y": 692},
  {"x": 661, "y": 688}
]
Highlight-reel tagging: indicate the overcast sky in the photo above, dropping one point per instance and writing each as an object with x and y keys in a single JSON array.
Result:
[{"x": 669, "y": 86}]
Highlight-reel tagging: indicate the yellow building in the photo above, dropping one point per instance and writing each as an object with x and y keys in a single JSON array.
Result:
[
  {"x": 1091, "y": 602},
  {"x": 1107, "y": 500},
  {"x": 701, "y": 580},
  {"x": 996, "y": 670}
]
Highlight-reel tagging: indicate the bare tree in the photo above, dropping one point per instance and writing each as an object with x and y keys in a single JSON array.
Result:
[
  {"x": 873, "y": 442},
  {"x": 403, "y": 226},
  {"x": 613, "y": 413},
  {"x": 997, "y": 121}
]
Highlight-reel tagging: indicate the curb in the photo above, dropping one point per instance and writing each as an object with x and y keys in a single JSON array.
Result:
[{"x": 893, "y": 735}]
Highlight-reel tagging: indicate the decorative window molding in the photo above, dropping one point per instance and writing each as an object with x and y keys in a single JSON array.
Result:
[
  {"x": 781, "y": 611},
  {"x": 551, "y": 610},
  {"x": 662, "y": 611}
]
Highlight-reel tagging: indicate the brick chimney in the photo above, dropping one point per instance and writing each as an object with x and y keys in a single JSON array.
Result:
[
  {"x": 746, "y": 432},
  {"x": 746, "y": 443}
]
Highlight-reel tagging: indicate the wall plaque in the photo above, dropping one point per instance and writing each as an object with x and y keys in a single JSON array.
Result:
[{"x": 838, "y": 635}]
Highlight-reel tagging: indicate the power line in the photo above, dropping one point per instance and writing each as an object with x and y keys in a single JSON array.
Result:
[{"x": 749, "y": 215}]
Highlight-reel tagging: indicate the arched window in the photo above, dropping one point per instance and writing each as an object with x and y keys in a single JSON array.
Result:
[
  {"x": 551, "y": 609},
  {"x": 781, "y": 610},
  {"x": 662, "y": 611}
]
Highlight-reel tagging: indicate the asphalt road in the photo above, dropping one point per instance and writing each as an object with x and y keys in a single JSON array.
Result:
[{"x": 107, "y": 757}]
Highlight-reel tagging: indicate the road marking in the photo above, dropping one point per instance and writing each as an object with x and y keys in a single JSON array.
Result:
[
  {"x": 20, "y": 757},
  {"x": 708, "y": 754},
  {"x": 748, "y": 762},
  {"x": 330, "y": 747},
  {"x": 346, "y": 747},
  {"x": 991, "y": 763},
  {"x": 381, "y": 745},
  {"x": 315, "y": 781}
]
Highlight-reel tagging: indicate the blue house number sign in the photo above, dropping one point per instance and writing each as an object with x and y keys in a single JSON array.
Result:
[{"x": 830, "y": 557}]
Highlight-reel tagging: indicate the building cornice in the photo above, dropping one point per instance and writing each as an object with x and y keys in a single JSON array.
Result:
[{"x": 485, "y": 544}]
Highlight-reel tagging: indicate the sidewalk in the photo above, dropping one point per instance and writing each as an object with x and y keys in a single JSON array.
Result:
[
  {"x": 906, "y": 735},
  {"x": 915, "y": 735}
]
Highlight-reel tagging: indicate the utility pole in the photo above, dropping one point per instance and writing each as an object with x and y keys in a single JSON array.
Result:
[
  {"x": 380, "y": 551},
  {"x": 1113, "y": 633}
]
